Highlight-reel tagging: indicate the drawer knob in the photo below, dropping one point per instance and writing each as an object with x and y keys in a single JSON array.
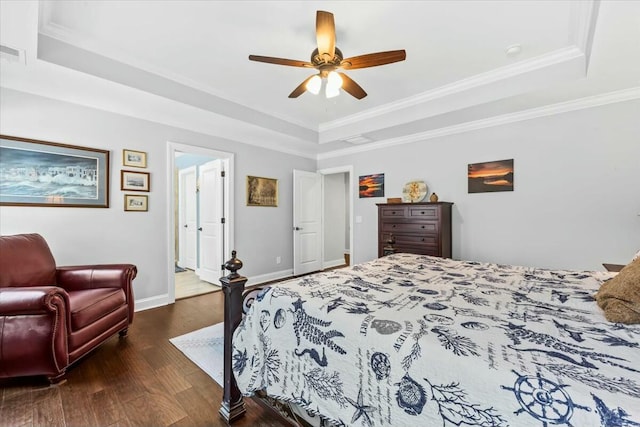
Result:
[
  {"x": 393, "y": 212},
  {"x": 394, "y": 226},
  {"x": 423, "y": 226},
  {"x": 422, "y": 212}
]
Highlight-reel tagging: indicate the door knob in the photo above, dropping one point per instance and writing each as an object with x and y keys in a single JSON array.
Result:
[
  {"x": 185, "y": 226},
  {"x": 297, "y": 228},
  {"x": 199, "y": 228}
]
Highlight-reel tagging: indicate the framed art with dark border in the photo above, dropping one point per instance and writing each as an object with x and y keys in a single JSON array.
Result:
[
  {"x": 42, "y": 173},
  {"x": 134, "y": 181},
  {"x": 262, "y": 191},
  {"x": 136, "y": 202},
  {"x": 490, "y": 177},
  {"x": 135, "y": 159}
]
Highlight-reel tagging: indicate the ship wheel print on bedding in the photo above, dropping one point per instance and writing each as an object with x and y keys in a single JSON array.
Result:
[{"x": 544, "y": 400}]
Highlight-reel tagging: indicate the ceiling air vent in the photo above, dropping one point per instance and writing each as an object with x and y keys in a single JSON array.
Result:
[
  {"x": 12, "y": 55},
  {"x": 358, "y": 139}
]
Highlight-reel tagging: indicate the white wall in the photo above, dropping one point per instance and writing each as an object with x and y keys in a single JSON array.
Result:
[
  {"x": 576, "y": 202},
  {"x": 90, "y": 235}
]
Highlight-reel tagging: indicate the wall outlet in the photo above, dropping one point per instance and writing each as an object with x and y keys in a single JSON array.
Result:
[{"x": 278, "y": 260}]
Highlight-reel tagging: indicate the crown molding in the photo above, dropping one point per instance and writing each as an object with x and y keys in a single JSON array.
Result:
[
  {"x": 67, "y": 39},
  {"x": 582, "y": 25},
  {"x": 559, "y": 56},
  {"x": 548, "y": 110},
  {"x": 583, "y": 18}
]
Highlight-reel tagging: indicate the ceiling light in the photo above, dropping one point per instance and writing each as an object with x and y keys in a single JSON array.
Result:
[
  {"x": 332, "y": 92},
  {"x": 334, "y": 83},
  {"x": 334, "y": 80},
  {"x": 314, "y": 84}
]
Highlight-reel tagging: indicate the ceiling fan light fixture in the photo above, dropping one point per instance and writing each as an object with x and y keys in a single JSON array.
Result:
[
  {"x": 332, "y": 92},
  {"x": 334, "y": 80},
  {"x": 327, "y": 58},
  {"x": 314, "y": 84}
]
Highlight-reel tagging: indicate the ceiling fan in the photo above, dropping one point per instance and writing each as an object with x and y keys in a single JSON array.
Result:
[{"x": 327, "y": 58}]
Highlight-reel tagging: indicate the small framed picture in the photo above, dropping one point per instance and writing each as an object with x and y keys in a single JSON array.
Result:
[
  {"x": 136, "y": 203},
  {"x": 136, "y": 159},
  {"x": 262, "y": 191},
  {"x": 134, "y": 181}
]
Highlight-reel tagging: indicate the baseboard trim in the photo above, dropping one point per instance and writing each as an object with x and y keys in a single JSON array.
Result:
[
  {"x": 333, "y": 263},
  {"x": 153, "y": 302},
  {"x": 263, "y": 278}
]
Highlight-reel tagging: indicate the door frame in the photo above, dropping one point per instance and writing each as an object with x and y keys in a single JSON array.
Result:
[
  {"x": 228, "y": 229},
  {"x": 330, "y": 171}
]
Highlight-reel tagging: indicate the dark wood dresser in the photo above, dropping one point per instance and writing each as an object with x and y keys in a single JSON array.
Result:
[{"x": 417, "y": 228}]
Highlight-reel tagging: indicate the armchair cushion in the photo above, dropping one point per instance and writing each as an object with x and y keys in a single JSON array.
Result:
[
  {"x": 35, "y": 267},
  {"x": 90, "y": 305}
]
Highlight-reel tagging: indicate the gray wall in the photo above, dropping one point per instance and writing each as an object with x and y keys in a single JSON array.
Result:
[
  {"x": 89, "y": 235},
  {"x": 576, "y": 202}
]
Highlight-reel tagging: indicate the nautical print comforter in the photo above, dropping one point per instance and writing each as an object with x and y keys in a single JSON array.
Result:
[{"x": 411, "y": 340}]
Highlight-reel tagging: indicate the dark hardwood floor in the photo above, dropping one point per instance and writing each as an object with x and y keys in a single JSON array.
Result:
[{"x": 142, "y": 380}]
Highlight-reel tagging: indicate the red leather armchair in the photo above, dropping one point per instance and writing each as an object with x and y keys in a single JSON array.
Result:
[{"x": 52, "y": 316}]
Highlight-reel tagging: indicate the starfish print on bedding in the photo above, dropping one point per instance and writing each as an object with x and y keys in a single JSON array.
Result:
[{"x": 362, "y": 410}]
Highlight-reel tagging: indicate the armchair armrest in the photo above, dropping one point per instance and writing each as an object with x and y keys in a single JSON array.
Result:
[
  {"x": 32, "y": 300},
  {"x": 33, "y": 331},
  {"x": 79, "y": 277}
]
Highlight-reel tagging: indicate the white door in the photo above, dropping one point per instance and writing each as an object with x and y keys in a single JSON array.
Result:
[
  {"x": 188, "y": 218},
  {"x": 307, "y": 222},
  {"x": 211, "y": 226}
]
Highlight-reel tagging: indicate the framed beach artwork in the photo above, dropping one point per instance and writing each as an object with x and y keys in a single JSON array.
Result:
[
  {"x": 371, "y": 185},
  {"x": 134, "y": 181},
  {"x": 42, "y": 173},
  {"x": 490, "y": 176}
]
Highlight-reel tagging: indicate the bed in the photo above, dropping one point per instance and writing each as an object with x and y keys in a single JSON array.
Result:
[{"x": 413, "y": 340}]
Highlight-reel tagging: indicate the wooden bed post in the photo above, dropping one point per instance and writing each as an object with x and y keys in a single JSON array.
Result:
[{"x": 233, "y": 287}]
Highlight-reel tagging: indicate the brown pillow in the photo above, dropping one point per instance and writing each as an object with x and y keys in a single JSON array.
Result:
[{"x": 620, "y": 297}]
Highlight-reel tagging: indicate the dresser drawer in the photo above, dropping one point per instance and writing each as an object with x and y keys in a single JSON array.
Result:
[
  {"x": 410, "y": 227},
  {"x": 419, "y": 240},
  {"x": 391, "y": 212},
  {"x": 423, "y": 212},
  {"x": 419, "y": 250}
]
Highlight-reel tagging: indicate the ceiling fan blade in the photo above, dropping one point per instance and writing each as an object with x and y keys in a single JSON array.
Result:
[
  {"x": 301, "y": 88},
  {"x": 352, "y": 87},
  {"x": 280, "y": 61},
  {"x": 373, "y": 59},
  {"x": 326, "y": 34}
]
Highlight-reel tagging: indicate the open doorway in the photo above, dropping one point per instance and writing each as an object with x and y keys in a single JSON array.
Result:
[
  {"x": 336, "y": 220},
  {"x": 200, "y": 215},
  {"x": 322, "y": 219}
]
